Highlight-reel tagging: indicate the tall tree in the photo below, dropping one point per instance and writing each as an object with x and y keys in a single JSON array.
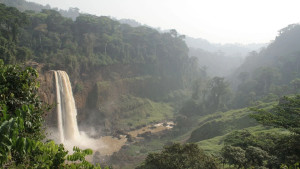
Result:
[
  {"x": 217, "y": 88},
  {"x": 180, "y": 157}
]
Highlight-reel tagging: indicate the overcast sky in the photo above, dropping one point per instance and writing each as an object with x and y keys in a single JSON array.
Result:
[{"x": 219, "y": 21}]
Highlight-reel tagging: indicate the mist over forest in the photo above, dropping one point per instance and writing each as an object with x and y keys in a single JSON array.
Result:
[{"x": 80, "y": 90}]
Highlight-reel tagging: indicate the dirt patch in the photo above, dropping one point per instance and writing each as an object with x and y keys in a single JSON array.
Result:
[
  {"x": 113, "y": 144},
  {"x": 152, "y": 128}
]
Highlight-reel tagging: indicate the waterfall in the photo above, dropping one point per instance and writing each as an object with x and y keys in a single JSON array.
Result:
[{"x": 66, "y": 109}]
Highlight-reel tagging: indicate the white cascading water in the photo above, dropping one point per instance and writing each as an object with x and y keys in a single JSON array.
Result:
[
  {"x": 68, "y": 132},
  {"x": 66, "y": 109}
]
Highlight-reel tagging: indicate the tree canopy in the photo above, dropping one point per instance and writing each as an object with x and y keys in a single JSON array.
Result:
[{"x": 181, "y": 157}]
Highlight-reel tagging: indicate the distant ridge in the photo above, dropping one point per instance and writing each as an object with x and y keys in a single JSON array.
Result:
[
  {"x": 229, "y": 49},
  {"x": 23, "y": 5}
]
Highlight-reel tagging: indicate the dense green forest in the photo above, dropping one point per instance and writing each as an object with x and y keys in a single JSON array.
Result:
[
  {"x": 31, "y": 6},
  {"x": 250, "y": 120},
  {"x": 21, "y": 131},
  {"x": 267, "y": 82},
  {"x": 272, "y": 72},
  {"x": 91, "y": 42},
  {"x": 83, "y": 46}
]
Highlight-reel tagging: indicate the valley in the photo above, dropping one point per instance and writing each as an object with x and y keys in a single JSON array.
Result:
[{"x": 79, "y": 90}]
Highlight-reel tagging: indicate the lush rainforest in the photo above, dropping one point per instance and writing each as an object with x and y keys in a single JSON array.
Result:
[{"x": 248, "y": 119}]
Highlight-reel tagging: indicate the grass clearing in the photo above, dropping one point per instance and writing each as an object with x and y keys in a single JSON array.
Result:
[{"x": 136, "y": 112}]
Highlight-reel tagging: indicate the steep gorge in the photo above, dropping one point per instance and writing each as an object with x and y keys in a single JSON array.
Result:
[{"x": 109, "y": 98}]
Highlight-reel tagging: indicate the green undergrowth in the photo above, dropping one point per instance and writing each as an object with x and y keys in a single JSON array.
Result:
[
  {"x": 231, "y": 121},
  {"x": 234, "y": 113},
  {"x": 153, "y": 145},
  {"x": 221, "y": 117},
  {"x": 132, "y": 155},
  {"x": 134, "y": 112},
  {"x": 221, "y": 123},
  {"x": 214, "y": 145}
]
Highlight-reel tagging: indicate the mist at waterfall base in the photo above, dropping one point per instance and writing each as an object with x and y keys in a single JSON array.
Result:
[{"x": 67, "y": 131}]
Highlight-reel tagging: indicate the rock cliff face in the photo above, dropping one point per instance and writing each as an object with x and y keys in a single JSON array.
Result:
[
  {"x": 102, "y": 96},
  {"x": 46, "y": 91},
  {"x": 47, "y": 94}
]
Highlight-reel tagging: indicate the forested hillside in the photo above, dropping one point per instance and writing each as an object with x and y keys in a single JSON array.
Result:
[
  {"x": 259, "y": 91},
  {"x": 97, "y": 51},
  {"x": 216, "y": 63},
  {"x": 228, "y": 49},
  {"x": 135, "y": 79},
  {"x": 123, "y": 75},
  {"x": 219, "y": 59},
  {"x": 92, "y": 41},
  {"x": 274, "y": 71},
  {"x": 23, "y": 5}
]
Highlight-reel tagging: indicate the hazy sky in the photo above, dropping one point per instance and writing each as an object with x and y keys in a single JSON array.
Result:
[{"x": 221, "y": 21}]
